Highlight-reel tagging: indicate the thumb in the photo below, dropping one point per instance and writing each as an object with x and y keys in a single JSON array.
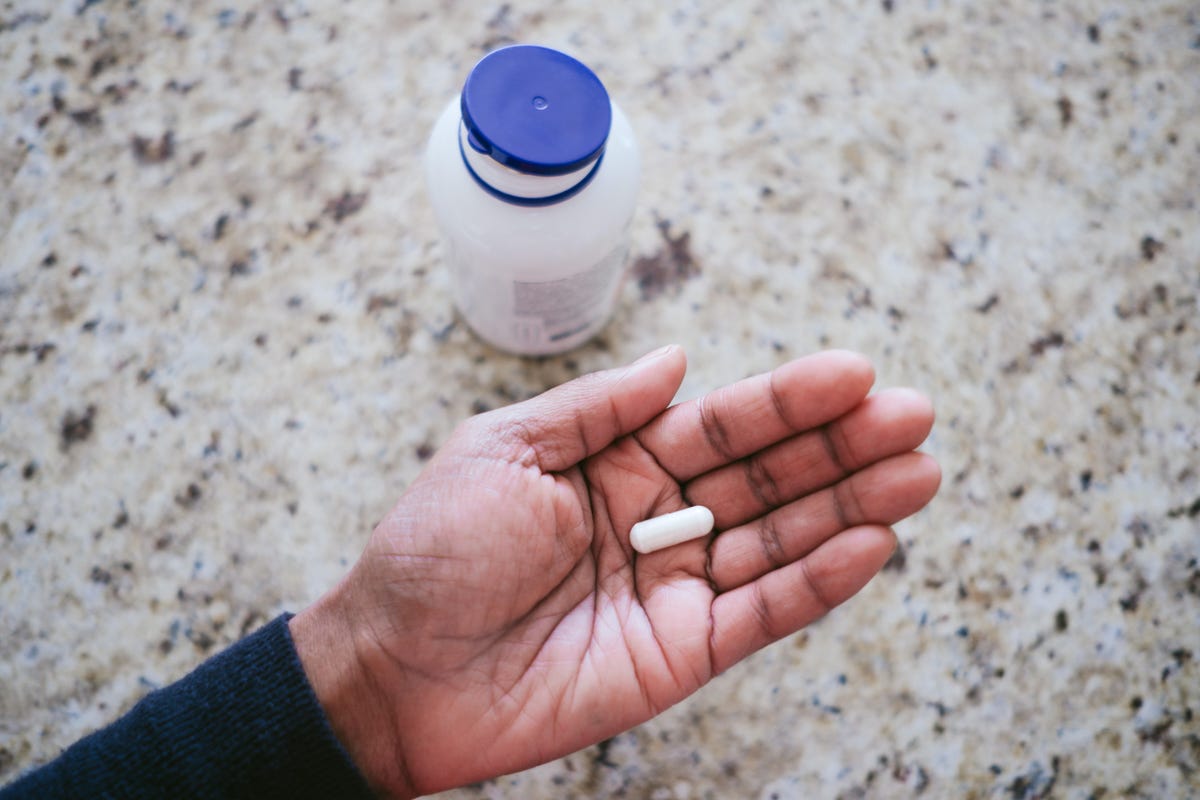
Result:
[{"x": 570, "y": 422}]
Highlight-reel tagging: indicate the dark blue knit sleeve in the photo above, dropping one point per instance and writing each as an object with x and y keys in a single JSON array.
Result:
[{"x": 245, "y": 724}]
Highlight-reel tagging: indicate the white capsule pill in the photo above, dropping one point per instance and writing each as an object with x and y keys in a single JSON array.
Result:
[{"x": 668, "y": 529}]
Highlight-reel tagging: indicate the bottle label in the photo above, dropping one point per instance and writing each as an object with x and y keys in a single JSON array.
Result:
[{"x": 549, "y": 312}]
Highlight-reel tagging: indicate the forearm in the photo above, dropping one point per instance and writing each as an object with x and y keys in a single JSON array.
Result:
[
  {"x": 245, "y": 724},
  {"x": 335, "y": 648}
]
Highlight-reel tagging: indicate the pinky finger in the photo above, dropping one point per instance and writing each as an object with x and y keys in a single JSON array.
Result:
[{"x": 785, "y": 600}]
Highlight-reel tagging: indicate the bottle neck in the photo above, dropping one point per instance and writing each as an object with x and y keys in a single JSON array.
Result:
[{"x": 522, "y": 188}]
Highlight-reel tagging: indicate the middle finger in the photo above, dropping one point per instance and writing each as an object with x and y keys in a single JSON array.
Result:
[{"x": 886, "y": 424}]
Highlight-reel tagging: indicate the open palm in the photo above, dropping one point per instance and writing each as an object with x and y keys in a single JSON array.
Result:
[{"x": 507, "y": 619}]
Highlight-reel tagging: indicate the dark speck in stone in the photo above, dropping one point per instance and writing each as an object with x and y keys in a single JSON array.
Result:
[
  {"x": 962, "y": 632},
  {"x": 480, "y": 407},
  {"x": 1036, "y": 782},
  {"x": 90, "y": 325},
  {"x": 1093, "y": 546},
  {"x": 424, "y": 451},
  {"x": 602, "y": 749},
  {"x": 1157, "y": 732},
  {"x": 86, "y": 117},
  {"x": 988, "y": 304},
  {"x": 29, "y": 470},
  {"x": 899, "y": 560},
  {"x": 1085, "y": 479},
  {"x": 100, "y": 575},
  {"x": 293, "y": 507},
  {"x": 190, "y": 496},
  {"x": 888, "y": 6},
  {"x": 40, "y": 351},
  {"x": 1060, "y": 620},
  {"x": 50, "y": 260},
  {"x": 153, "y": 151},
  {"x": 1151, "y": 247},
  {"x": 77, "y": 427},
  {"x": 102, "y": 63},
  {"x": 1066, "y": 110},
  {"x": 378, "y": 301},
  {"x": 165, "y": 403},
  {"x": 1093, "y": 33},
  {"x": 294, "y": 302},
  {"x": 669, "y": 267},
  {"x": 1050, "y": 341},
  {"x": 1139, "y": 529},
  {"x": 348, "y": 203},
  {"x": 1190, "y": 511},
  {"x": 1130, "y": 602},
  {"x": 219, "y": 227},
  {"x": 325, "y": 318},
  {"x": 181, "y": 88},
  {"x": 121, "y": 520},
  {"x": 245, "y": 122},
  {"x": 293, "y": 78},
  {"x": 201, "y": 640},
  {"x": 238, "y": 267},
  {"x": 1017, "y": 492}
]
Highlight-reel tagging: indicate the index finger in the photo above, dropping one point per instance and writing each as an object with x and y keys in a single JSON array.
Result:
[{"x": 736, "y": 420}]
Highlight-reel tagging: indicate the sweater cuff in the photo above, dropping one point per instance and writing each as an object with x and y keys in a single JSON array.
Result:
[{"x": 245, "y": 724}]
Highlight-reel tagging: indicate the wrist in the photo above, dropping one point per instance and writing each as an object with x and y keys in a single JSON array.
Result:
[{"x": 336, "y": 656}]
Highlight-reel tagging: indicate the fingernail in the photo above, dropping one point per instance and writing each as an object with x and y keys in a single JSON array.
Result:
[{"x": 655, "y": 354}]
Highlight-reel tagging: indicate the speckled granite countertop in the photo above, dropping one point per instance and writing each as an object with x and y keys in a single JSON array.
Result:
[{"x": 226, "y": 344}]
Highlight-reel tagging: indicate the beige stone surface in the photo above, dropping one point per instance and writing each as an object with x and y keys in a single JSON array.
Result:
[{"x": 227, "y": 343}]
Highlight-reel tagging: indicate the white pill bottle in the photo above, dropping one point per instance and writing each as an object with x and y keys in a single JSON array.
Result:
[{"x": 533, "y": 175}]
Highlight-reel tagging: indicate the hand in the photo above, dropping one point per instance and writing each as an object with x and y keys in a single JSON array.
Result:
[{"x": 499, "y": 618}]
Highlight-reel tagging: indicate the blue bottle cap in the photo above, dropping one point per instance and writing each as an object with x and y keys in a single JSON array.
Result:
[{"x": 536, "y": 110}]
